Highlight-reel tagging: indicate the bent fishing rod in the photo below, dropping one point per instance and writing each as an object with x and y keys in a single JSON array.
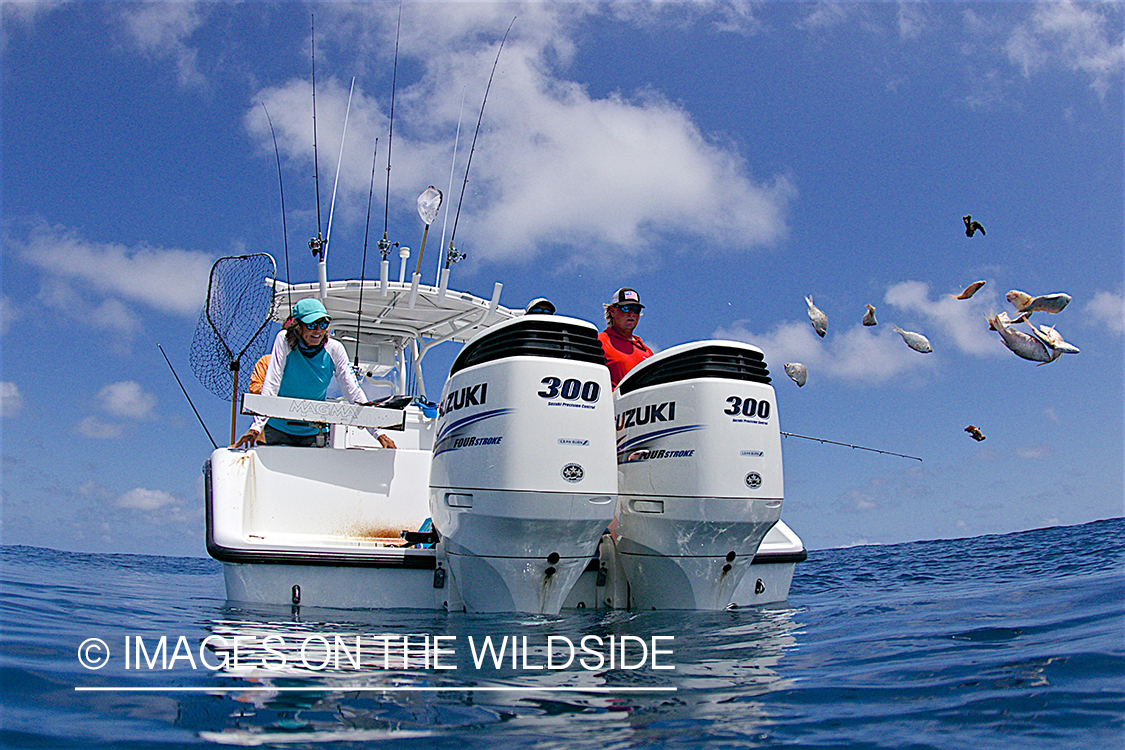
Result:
[{"x": 849, "y": 445}]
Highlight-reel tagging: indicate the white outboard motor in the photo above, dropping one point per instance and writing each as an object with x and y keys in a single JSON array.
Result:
[
  {"x": 699, "y": 459},
  {"x": 523, "y": 480}
]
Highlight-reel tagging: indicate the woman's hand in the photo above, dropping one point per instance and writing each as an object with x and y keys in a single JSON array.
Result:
[{"x": 250, "y": 439}]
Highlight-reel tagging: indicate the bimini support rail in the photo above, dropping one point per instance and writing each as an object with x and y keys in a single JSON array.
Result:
[{"x": 420, "y": 351}]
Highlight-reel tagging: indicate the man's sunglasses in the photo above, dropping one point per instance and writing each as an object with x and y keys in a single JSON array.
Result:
[
  {"x": 629, "y": 309},
  {"x": 317, "y": 324}
]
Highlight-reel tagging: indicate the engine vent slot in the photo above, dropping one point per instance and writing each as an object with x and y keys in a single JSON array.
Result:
[
  {"x": 539, "y": 336},
  {"x": 713, "y": 361}
]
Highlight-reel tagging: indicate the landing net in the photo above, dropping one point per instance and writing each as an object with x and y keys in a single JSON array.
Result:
[{"x": 233, "y": 326}]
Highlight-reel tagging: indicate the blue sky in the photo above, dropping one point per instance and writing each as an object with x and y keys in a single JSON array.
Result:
[{"x": 726, "y": 159}]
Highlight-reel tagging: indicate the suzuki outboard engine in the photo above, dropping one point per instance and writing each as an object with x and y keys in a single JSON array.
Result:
[
  {"x": 523, "y": 480},
  {"x": 699, "y": 458}
]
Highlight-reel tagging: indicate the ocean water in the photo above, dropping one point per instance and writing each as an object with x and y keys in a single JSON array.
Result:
[{"x": 1008, "y": 641}]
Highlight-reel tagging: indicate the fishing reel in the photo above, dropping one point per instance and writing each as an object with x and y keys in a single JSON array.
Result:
[
  {"x": 316, "y": 245},
  {"x": 385, "y": 247},
  {"x": 452, "y": 255}
]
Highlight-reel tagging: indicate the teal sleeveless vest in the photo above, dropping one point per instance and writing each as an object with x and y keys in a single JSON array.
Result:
[{"x": 304, "y": 377}]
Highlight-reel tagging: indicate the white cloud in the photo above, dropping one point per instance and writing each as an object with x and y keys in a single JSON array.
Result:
[
  {"x": 9, "y": 313},
  {"x": 92, "y": 427},
  {"x": 1107, "y": 309},
  {"x": 142, "y": 499},
  {"x": 110, "y": 315},
  {"x": 126, "y": 399},
  {"x": 912, "y": 20},
  {"x": 875, "y": 355},
  {"x": 859, "y": 354},
  {"x": 169, "y": 280},
  {"x": 27, "y": 11},
  {"x": 962, "y": 322},
  {"x": 11, "y": 400},
  {"x": 1035, "y": 452},
  {"x": 555, "y": 167},
  {"x": 1082, "y": 38},
  {"x": 827, "y": 14},
  {"x": 163, "y": 30}
]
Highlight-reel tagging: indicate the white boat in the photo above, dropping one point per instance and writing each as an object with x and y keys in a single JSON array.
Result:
[{"x": 529, "y": 485}]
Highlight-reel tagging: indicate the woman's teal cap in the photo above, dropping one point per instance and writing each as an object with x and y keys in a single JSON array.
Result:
[{"x": 309, "y": 310}]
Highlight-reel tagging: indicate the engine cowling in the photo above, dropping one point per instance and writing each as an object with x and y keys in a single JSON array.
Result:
[
  {"x": 700, "y": 473},
  {"x": 523, "y": 480}
]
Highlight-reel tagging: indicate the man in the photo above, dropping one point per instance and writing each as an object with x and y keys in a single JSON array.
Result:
[{"x": 623, "y": 349}]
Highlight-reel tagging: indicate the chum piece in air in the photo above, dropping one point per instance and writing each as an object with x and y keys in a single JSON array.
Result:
[
  {"x": 1048, "y": 303},
  {"x": 1053, "y": 339},
  {"x": 969, "y": 291},
  {"x": 869, "y": 317},
  {"x": 1022, "y": 344},
  {"x": 798, "y": 372},
  {"x": 818, "y": 318},
  {"x": 972, "y": 226},
  {"x": 975, "y": 433},
  {"x": 915, "y": 341}
]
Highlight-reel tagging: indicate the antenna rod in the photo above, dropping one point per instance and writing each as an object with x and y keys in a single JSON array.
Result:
[
  {"x": 316, "y": 162},
  {"x": 391, "y": 133},
  {"x": 281, "y": 187},
  {"x": 336, "y": 183},
  {"x": 849, "y": 445},
  {"x": 177, "y": 377},
  {"x": 450, "y": 253},
  {"x": 363, "y": 262}
]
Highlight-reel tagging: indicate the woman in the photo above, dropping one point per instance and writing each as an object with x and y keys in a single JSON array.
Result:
[{"x": 301, "y": 365}]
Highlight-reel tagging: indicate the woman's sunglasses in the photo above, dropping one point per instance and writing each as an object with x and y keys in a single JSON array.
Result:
[{"x": 317, "y": 324}]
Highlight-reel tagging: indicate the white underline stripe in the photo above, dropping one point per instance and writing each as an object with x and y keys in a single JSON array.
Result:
[{"x": 375, "y": 688}]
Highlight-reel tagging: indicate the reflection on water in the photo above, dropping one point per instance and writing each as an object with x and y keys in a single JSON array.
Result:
[{"x": 578, "y": 679}]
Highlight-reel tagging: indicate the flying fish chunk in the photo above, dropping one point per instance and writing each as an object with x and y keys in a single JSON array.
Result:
[
  {"x": 915, "y": 341},
  {"x": 972, "y": 226},
  {"x": 975, "y": 433},
  {"x": 1022, "y": 344},
  {"x": 1053, "y": 339},
  {"x": 970, "y": 290},
  {"x": 1008, "y": 322},
  {"x": 1048, "y": 303},
  {"x": 797, "y": 371},
  {"x": 818, "y": 318},
  {"x": 869, "y": 317}
]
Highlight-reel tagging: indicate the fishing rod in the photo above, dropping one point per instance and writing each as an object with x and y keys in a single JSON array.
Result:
[
  {"x": 849, "y": 445},
  {"x": 315, "y": 243},
  {"x": 451, "y": 255},
  {"x": 281, "y": 187},
  {"x": 177, "y": 377},
  {"x": 363, "y": 262},
  {"x": 384, "y": 244},
  {"x": 452, "y": 166}
]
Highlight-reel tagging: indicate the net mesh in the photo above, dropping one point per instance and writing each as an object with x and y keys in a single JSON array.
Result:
[{"x": 233, "y": 326}]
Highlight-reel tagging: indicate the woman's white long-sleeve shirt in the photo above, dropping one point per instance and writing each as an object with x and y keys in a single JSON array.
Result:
[{"x": 281, "y": 351}]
